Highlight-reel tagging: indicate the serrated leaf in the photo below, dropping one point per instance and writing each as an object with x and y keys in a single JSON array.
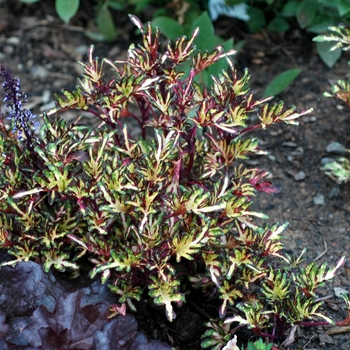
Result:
[
  {"x": 66, "y": 9},
  {"x": 187, "y": 245},
  {"x": 281, "y": 82},
  {"x": 67, "y": 326},
  {"x": 164, "y": 293},
  {"x": 276, "y": 286},
  {"x": 228, "y": 294},
  {"x": 328, "y": 56},
  {"x": 221, "y": 64},
  {"x": 16, "y": 284}
]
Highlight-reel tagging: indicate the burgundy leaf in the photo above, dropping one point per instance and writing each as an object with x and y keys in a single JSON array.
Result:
[
  {"x": 4, "y": 327},
  {"x": 3, "y": 345},
  {"x": 20, "y": 289},
  {"x": 68, "y": 326},
  {"x": 52, "y": 340}
]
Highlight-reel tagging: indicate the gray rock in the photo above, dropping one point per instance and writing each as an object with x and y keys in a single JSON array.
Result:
[
  {"x": 298, "y": 152},
  {"x": 299, "y": 176},
  {"x": 309, "y": 119},
  {"x": 13, "y": 40},
  {"x": 326, "y": 160},
  {"x": 334, "y": 192},
  {"x": 339, "y": 291},
  {"x": 289, "y": 144},
  {"x": 39, "y": 72},
  {"x": 46, "y": 95},
  {"x": 319, "y": 199},
  {"x": 325, "y": 339},
  {"x": 336, "y": 148}
]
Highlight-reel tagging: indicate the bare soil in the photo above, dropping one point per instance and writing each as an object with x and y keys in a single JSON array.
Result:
[{"x": 43, "y": 52}]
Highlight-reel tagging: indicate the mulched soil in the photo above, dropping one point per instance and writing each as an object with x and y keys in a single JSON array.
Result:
[{"x": 43, "y": 52}]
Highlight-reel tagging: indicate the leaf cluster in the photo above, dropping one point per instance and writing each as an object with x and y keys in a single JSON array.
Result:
[
  {"x": 167, "y": 209},
  {"x": 38, "y": 312},
  {"x": 339, "y": 38}
]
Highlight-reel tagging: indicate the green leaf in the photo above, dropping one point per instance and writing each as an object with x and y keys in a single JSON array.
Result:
[
  {"x": 328, "y": 56},
  {"x": 105, "y": 23},
  {"x": 169, "y": 27},
  {"x": 339, "y": 169},
  {"x": 188, "y": 245},
  {"x": 306, "y": 12},
  {"x": 228, "y": 293},
  {"x": 257, "y": 19},
  {"x": 206, "y": 36},
  {"x": 343, "y": 7},
  {"x": 290, "y": 9},
  {"x": 58, "y": 260},
  {"x": 321, "y": 23},
  {"x": 117, "y": 5},
  {"x": 66, "y": 9},
  {"x": 259, "y": 345},
  {"x": 277, "y": 286},
  {"x": 281, "y": 82},
  {"x": 278, "y": 25},
  {"x": 164, "y": 293}
]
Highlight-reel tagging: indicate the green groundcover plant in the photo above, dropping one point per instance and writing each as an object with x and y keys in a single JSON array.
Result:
[
  {"x": 339, "y": 38},
  {"x": 164, "y": 212}
]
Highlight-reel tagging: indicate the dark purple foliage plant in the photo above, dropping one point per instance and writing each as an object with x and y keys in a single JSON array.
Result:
[{"x": 156, "y": 214}]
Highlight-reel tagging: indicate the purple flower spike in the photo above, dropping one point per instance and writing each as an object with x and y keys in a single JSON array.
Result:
[{"x": 14, "y": 99}]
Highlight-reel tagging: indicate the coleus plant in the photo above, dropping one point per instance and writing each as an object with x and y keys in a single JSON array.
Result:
[{"x": 165, "y": 210}]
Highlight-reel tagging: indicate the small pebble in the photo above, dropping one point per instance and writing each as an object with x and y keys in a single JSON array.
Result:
[
  {"x": 82, "y": 49},
  {"x": 333, "y": 306},
  {"x": 339, "y": 107},
  {"x": 46, "y": 95},
  {"x": 47, "y": 106},
  {"x": 342, "y": 230},
  {"x": 334, "y": 192},
  {"x": 289, "y": 144},
  {"x": 339, "y": 291},
  {"x": 336, "y": 148},
  {"x": 8, "y": 49},
  {"x": 299, "y": 176},
  {"x": 299, "y": 151},
  {"x": 325, "y": 339},
  {"x": 309, "y": 119},
  {"x": 39, "y": 72},
  {"x": 327, "y": 160},
  {"x": 319, "y": 199},
  {"x": 13, "y": 40}
]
